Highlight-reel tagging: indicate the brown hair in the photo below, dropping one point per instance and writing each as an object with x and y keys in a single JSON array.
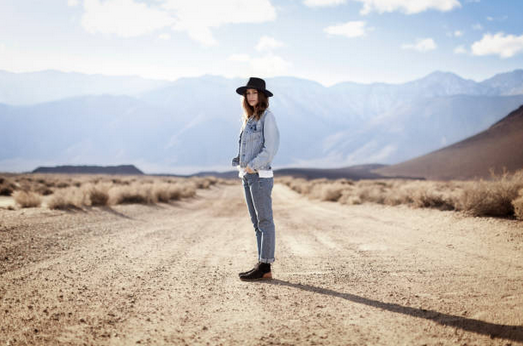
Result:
[{"x": 257, "y": 111}]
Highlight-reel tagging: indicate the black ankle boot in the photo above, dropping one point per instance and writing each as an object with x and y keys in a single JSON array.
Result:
[
  {"x": 261, "y": 272},
  {"x": 248, "y": 271}
]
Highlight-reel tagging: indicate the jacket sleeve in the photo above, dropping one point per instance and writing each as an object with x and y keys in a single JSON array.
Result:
[
  {"x": 236, "y": 160},
  {"x": 270, "y": 144}
]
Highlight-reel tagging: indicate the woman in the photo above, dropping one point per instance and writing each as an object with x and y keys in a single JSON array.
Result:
[{"x": 259, "y": 140}]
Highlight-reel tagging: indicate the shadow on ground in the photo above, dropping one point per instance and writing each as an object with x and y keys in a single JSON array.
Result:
[{"x": 514, "y": 333}]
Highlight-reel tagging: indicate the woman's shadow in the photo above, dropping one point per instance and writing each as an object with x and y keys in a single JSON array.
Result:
[{"x": 514, "y": 333}]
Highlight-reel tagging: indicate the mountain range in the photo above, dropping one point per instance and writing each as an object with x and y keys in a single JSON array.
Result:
[
  {"x": 189, "y": 125},
  {"x": 498, "y": 147}
]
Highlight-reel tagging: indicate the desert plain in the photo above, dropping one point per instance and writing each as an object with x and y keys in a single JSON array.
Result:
[{"x": 167, "y": 273}]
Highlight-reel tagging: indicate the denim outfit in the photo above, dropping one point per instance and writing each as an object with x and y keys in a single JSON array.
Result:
[{"x": 258, "y": 143}]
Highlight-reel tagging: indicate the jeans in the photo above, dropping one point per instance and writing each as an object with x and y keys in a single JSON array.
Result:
[{"x": 259, "y": 202}]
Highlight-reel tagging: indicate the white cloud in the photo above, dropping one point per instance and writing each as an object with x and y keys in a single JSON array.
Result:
[
  {"x": 321, "y": 3},
  {"x": 460, "y": 50},
  {"x": 164, "y": 37},
  {"x": 268, "y": 43},
  {"x": 198, "y": 17},
  {"x": 505, "y": 46},
  {"x": 456, "y": 33},
  {"x": 349, "y": 29},
  {"x": 239, "y": 57},
  {"x": 73, "y": 3},
  {"x": 128, "y": 18},
  {"x": 421, "y": 45},
  {"x": 124, "y": 18},
  {"x": 477, "y": 26},
  {"x": 500, "y": 19},
  {"x": 268, "y": 65},
  {"x": 407, "y": 6}
]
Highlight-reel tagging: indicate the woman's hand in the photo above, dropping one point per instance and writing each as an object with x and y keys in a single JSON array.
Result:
[{"x": 249, "y": 169}]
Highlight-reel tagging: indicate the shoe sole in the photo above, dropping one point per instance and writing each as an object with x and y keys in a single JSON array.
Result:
[{"x": 266, "y": 276}]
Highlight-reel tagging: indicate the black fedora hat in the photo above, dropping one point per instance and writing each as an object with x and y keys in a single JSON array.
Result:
[{"x": 254, "y": 83}]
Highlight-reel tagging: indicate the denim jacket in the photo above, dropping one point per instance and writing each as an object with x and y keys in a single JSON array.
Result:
[{"x": 258, "y": 143}]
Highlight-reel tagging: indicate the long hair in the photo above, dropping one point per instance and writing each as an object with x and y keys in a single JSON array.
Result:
[{"x": 256, "y": 111}]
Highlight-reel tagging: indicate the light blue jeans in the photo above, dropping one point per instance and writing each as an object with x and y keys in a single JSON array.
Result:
[{"x": 259, "y": 202}]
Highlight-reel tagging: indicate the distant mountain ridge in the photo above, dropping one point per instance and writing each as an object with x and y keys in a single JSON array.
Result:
[
  {"x": 192, "y": 124},
  {"x": 499, "y": 147},
  {"x": 51, "y": 85},
  {"x": 121, "y": 169},
  {"x": 45, "y": 86}
]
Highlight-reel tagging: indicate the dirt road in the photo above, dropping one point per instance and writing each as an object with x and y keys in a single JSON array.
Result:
[{"x": 344, "y": 275}]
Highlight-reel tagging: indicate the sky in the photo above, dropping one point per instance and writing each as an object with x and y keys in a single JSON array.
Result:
[{"x": 328, "y": 41}]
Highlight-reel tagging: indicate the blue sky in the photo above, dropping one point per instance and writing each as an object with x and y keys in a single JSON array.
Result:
[{"x": 328, "y": 41}]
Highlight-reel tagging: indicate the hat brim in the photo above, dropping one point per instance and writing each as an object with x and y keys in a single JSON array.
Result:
[{"x": 243, "y": 89}]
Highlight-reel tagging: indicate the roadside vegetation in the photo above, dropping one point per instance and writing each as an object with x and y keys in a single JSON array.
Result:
[
  {"x": 500, "y": 196},
  {"x": 63, "y": 191}
]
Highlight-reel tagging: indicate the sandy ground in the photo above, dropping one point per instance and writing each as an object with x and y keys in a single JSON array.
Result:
[{"x": 344, "y": 275}]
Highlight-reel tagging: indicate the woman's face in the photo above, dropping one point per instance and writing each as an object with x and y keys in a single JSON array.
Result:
[{"x": 252, "y": 97}]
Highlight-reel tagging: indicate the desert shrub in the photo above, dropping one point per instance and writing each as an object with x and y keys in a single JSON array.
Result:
[
  {"x": 164, "y": 192},
  {"x": 431, "y": 199},
  {"x": 120, "y": 181},
  {"x": 371, "y": 193},
  {"x": 213, "y": 180},
  {"x": 234, "y": 181},
  {"x": 62, "y": 185},
  {"x": 492, "y": 198},
  {"x": 175, "y": 192},
  {"x": 27, "y": 199},
  {"x": 43, "y": 190},
  {"x": 518, "y": 206},
  {"x": 68, "y": 198},
  {"x": 348, "y": 197},
  {"x": 133, "y": 194},
  {"x": 188, "y": 190},
  {"x": 6, "y": 190},
  {"x": 332, "y": 192},
  {"x": 299, "y": 185},
  {"x": 98, "y": 194},
  {"x": 203, "y": 182}
]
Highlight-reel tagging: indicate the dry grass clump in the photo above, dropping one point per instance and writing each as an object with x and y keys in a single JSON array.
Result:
[
  {"x": 7, "y": 187},
  {"x": 68, "y": 198},
  {"x": 432, "y": 199},
  {"x": 500, "y": 196},
  {"x": 421, "y": 194},
  {"x": 165, "y": 192},
  {"x": 135, "y": 193},
  {"x": 43, "y": 189},
  {"x": 27, "y": 199},
  {"x": 150, "y": 193},
  {"x": 518, "y": 205},
  {"x": 204, "y": 182},
  {"x": 494, "y": 197},
  {"x": 76, "y": 191},
  {"x": 97, "y": 193}
]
